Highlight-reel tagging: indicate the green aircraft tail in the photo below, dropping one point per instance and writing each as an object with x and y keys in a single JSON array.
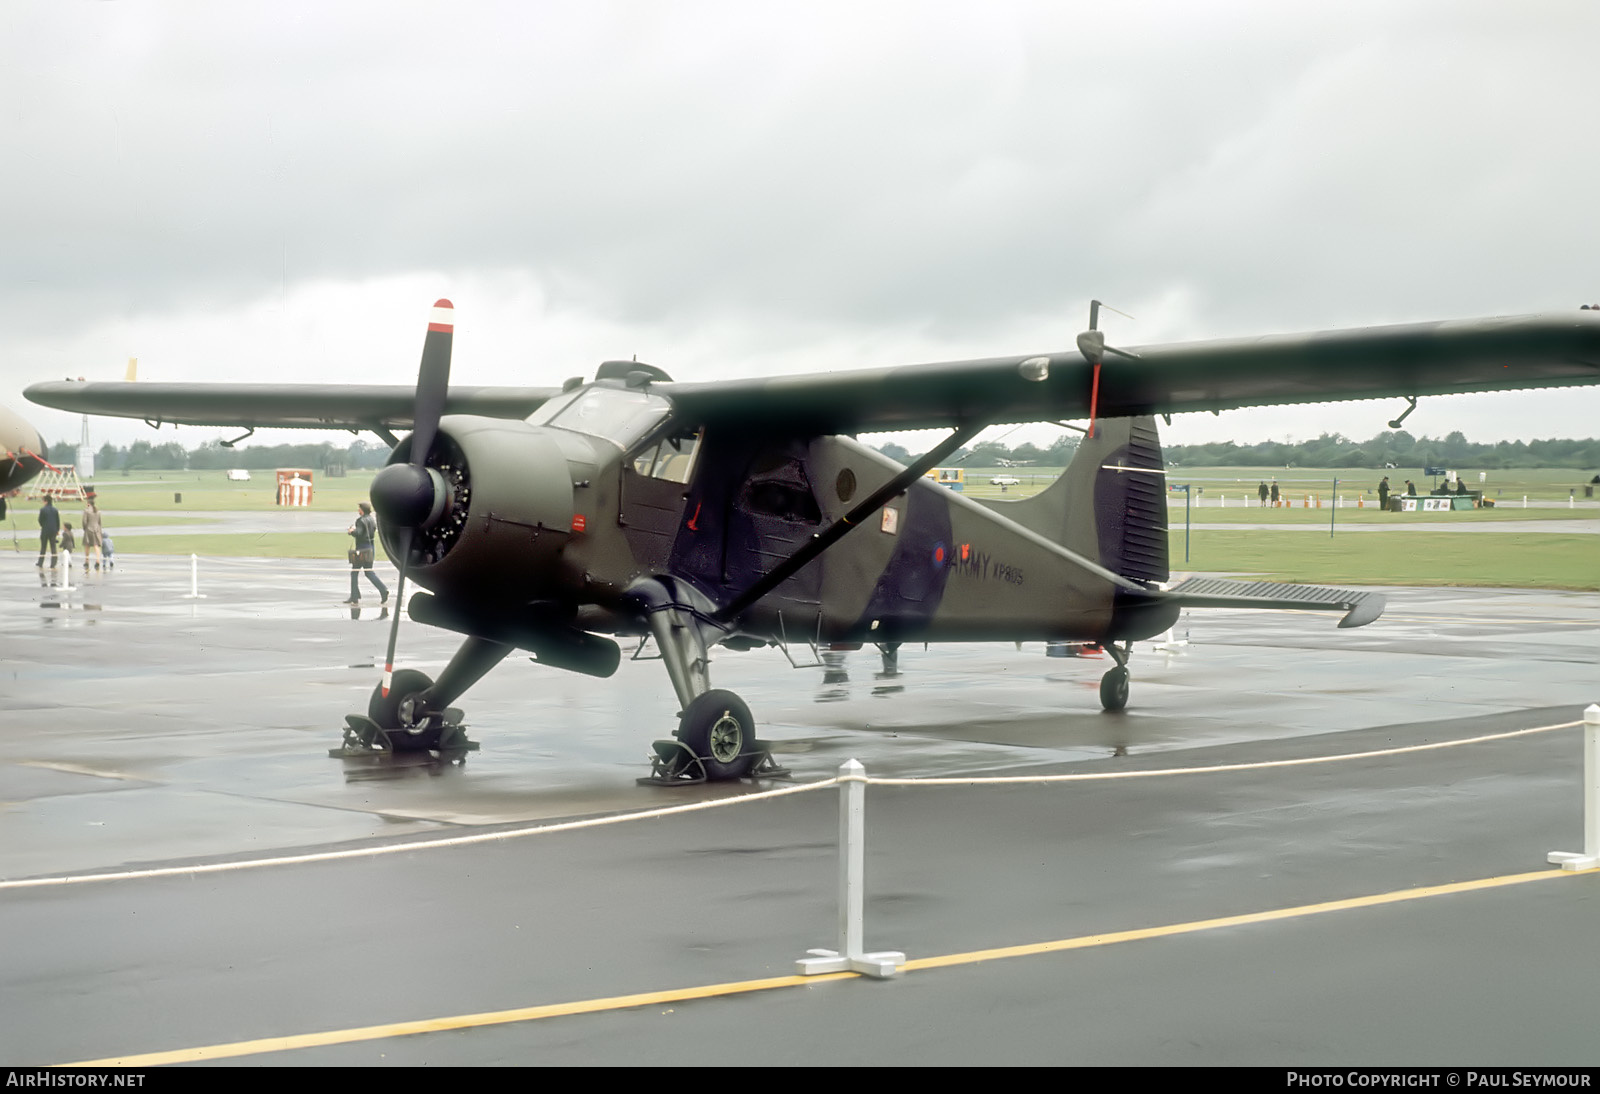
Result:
[{"x": 1110, "y": 504}]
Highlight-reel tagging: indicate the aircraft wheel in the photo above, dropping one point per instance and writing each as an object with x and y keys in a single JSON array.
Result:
[
  {"x": 718, "y": 728},
  {"x": 1114, "y": 689},
  {"x": 392, "y": 711}
]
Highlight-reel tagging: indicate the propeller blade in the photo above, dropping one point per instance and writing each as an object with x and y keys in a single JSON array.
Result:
[
  {"x": 399, "y": 605},
  {"x": 433, "y": 380},
  {"x": 433, "y": 386}
]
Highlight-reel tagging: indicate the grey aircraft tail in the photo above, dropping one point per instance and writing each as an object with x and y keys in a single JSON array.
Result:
[{"x": 1110, "y": 504}]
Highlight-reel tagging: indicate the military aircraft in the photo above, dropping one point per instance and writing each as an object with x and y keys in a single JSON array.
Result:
[
  {"x": 744, "y": 514},
  {"x": 22, "y": 451}
]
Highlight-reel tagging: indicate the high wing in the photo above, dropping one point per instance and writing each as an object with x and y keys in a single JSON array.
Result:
[
  {"x": 294, "y": 406},
  {"x": 1416, "y": 359},
  {"x": 1497, "y": 354}
]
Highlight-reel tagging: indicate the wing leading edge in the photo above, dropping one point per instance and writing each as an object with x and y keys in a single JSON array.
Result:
[
  {"x": 294, "y": 406},
  {"x": 1416, "y": 359}
]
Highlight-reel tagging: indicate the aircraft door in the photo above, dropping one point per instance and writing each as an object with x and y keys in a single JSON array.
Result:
[
  {"x": 654, "y": 485},
  {"x": 774, "y": 514}
]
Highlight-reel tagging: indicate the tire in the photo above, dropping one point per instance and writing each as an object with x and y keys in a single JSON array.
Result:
[
  {"x": 718, "y": 729},
  {"x": 385, "y": 710},
  {"x": 1114, "y": 689}
]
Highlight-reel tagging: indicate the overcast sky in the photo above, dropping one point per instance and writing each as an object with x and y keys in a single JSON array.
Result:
[{"x": 278, "y": 190}]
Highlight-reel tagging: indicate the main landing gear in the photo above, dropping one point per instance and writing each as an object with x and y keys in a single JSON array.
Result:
[
  {"x": 716, "y": 734},
  {"x": 715, "y": 741}
]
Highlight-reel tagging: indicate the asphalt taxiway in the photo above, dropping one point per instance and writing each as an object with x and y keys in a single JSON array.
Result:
[{"x": 1395, "y": 909}]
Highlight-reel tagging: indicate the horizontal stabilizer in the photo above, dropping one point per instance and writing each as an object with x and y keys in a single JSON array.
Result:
[{"x": 1215, "y": 592}]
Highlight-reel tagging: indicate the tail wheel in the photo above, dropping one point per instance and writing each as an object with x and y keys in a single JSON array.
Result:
[
  {"x": 399, "y": 709},
  {"x": 1114, "y": 689},
  {"x": 717, "y": 727}
]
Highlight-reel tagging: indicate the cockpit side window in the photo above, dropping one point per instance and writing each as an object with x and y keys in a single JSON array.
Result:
[{"x": 671, "y": 460}]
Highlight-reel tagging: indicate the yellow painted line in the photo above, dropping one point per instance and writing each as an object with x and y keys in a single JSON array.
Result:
[
  {"x": 79, "y": 769},
  {"x": 464, "y": 1021},
  {"x": 1088, "y": 941},
  {"x": 679, "y": 995}
]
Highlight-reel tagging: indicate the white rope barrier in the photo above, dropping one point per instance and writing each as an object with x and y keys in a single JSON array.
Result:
[
  {"x": 857, "y": 776},
  {"x": 1257, "y": 766},
  {"x": 412, "y": 845}
]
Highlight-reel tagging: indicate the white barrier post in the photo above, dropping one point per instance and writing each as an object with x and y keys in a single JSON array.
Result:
[
  {"x": 852, "y": 889},
  {"x": 1589, "y": 858},
  {"x": 194, "y": 592},
  {"x": 66, "y": 573}
]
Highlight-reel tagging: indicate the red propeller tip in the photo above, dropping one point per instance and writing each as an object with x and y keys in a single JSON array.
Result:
[
  {"x": 442, "y": 303},
  {"x": 443, "y": 317}
]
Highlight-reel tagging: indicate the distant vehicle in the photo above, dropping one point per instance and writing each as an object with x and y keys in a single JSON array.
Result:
[
  {"x": 951, "y": 478},
  {"x": 1004, "y": 481},
  {"x": 237, "y": 475}
]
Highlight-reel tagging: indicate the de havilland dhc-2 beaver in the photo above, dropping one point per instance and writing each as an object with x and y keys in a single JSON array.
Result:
[{"x": 744, "y": 513}]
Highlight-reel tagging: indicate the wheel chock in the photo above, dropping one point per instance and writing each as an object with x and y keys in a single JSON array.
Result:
[
  {"x": 445, "y": 735},
  {"x": 675, "y": 764}
]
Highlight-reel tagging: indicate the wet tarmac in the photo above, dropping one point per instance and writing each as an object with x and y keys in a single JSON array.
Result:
[
  {"x": 142, "y": 728},
  {"x": 1578, "y": 526}
]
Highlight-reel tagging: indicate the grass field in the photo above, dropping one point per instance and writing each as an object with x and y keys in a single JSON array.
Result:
[
  {"x": 1403, "y": 557},
  {"x": 210, "y": 492},
  {"x": 1402, "y": 554},
  {"x": 1238, "y": 484}
]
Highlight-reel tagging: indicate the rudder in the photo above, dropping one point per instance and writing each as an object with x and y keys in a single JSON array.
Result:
[{"x": 1110, "y": 504}]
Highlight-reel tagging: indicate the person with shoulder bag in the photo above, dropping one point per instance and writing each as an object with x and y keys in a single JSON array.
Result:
[{"x": 364, "y": 531}]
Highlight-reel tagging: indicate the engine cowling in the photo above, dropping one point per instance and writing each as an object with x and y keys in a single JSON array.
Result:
[{"x": 491, "y": 516}]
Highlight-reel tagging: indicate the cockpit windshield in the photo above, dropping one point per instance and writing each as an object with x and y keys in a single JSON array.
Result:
[{"x": 613, "y": 414}]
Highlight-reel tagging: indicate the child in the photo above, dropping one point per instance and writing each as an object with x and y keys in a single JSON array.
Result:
[
  {"x": 67, "y": 542},
  {"x": 105, "y": 548}
]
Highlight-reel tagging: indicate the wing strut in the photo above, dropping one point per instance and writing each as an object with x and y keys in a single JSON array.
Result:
[{"x": 836, "y": 531}]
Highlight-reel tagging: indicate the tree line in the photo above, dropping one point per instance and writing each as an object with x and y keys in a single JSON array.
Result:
[
  {"x": 212, "y": 456},
  {"x": 1395, "y": 447}
]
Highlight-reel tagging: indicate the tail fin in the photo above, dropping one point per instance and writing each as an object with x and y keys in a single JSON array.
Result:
[{"x": 1110, "y": 504}]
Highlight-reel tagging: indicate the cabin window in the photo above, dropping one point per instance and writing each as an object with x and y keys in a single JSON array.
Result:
[{"x": 778, "y": 487}]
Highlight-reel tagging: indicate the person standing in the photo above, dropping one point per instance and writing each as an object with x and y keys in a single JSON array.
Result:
[
  {"x": 364, "y": 531},
  {"x": 1274, "y": 492},
  {"x": 1262, "y": 490},
  {"x": 49, "y": 528},
  {"x": 1383, "y": 494},
  {"x": 91, "y": 534}
]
